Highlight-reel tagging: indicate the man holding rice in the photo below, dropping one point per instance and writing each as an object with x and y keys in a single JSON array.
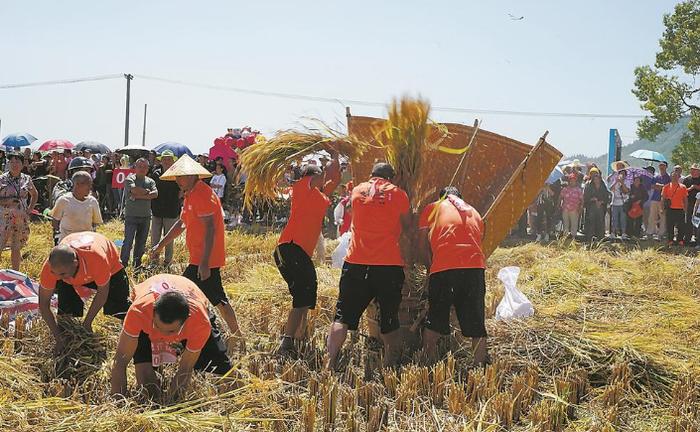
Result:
[
  {"x": 203, "y": 218},
  {"x": 169, "y": 316},
  {"x": 83, "y": 259},
  {"x": 373, "y": 266},
  {"x": 454, "y": 231},
  {"x": 310, "y": 199}
]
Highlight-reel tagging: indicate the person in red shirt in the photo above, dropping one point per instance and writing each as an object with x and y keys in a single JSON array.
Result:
[
  {"x": 675, "y": 196},
  {"x": 168, "y": 310},
  {"x": 310, "y": 199},
  {"x": 373, "y": 266},
  {"x": 83, "y": 259},
  {"x": 454, "y": 230},
  {"x": 203, "y": 218}
]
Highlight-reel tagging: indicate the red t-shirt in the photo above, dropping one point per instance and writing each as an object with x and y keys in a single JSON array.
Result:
[
  {"x": 456, "y": 230},
  {"x": 306, "y": 216},
  {"x": 200, "y": 202},
  {"x": 98, "y": 260},
  {"x": 377, "y": 207},
  {"x": 676, "y": 193},
  {"x": 139, "y": 318}
]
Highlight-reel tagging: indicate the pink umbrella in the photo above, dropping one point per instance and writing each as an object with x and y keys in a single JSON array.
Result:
[{"x": 57, "y": 144}]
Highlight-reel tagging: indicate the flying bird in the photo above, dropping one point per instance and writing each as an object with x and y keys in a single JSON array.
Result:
[{"x": 515, "y": 18}]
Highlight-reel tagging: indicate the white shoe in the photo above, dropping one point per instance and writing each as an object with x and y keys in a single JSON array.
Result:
[
  {"x": 624, "y": 237},
  {"x": 539, "y": 238},
  {"x": 546, "y": 237}
]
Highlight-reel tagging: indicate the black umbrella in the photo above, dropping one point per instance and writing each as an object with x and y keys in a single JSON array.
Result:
[
  {"x": 93, "y": 146},
  {"x": 134, "y": 151}
]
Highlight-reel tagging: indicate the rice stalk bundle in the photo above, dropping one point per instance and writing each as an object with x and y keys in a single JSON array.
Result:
[
  {"x": 266, "y": 163},
  {"x": 404, "y": 138}
]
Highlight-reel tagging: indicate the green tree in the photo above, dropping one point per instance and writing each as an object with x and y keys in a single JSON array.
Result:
[{"x": 670, "y": 89}]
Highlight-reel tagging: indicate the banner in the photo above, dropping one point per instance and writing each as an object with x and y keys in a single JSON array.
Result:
[{"x": 118, "y": 177}]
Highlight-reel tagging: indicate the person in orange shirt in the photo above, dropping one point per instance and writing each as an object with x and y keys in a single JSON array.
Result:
[
  {"x": 168, "y": 313},
  {"x": 675, "y": 197},
  {"x": 83, "y": 259},
  {"x": 203, "y": 218},
  {"x": 373, "y": 266},
  {"x": 310, "y": 199},
  {"x": 454, "y": 231}
]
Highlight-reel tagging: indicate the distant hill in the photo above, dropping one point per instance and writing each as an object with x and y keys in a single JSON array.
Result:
[{"x": 665, "y": 143}]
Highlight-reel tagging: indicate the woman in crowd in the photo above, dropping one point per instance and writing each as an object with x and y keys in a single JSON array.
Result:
[
  {"x": 218, "y": 181},
  {"x": 571, "y": 198},
  {"x": 17, "y": 199},
  {"x": 635, "y": 208},
  {"x": 596, "y": 198}
]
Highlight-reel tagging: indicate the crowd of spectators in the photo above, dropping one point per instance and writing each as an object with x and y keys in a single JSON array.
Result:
[{"x": 630, "y": 204}]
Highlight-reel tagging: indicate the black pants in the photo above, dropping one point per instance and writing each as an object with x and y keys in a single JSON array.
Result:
[
  {"x": 595, "y": 222},
  {"x": 688, "y": 227},
  {"x": 675, "y": 219},
  {"x": 634, "y": 226},
  {"x": 299, "y": 272},
  {"x": 117, "y": 304}
]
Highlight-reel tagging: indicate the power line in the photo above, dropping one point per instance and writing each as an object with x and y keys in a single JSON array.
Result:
[
  {"x": 295, "y": 96},
  {"x": 64, "y": 81},
  {"x": 382, "y": 104}
]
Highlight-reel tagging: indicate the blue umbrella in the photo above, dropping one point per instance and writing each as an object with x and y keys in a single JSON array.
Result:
[
  {"x": 18, "y": 140},
  {"x": 177, "y": 148},
  {"x": 555, "y": 175},
  {"x": 649, "y": 155}
]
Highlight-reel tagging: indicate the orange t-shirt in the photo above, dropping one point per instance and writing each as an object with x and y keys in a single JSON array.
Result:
[
  {"x": 676, "y": 193},
  {"x": 377, "y": 207},
  {"x": 309, "y": 207},
  {"x": 200, "y": 202},
  {"x": 455, "y": 234},
  {"x": 139, "y": 318},
  {"x": 98, "y": 260}
]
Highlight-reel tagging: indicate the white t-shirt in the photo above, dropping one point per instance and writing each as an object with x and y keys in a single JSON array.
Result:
[
  {"x": 76, "y": 216},
  {"x": 216, "y": 181}
]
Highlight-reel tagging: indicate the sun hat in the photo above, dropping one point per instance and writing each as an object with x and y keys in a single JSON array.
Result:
[
  {"x": 167, "y": 153},
  {"x": 185, "y": 166},
  {"x": 619, "y": 165}
]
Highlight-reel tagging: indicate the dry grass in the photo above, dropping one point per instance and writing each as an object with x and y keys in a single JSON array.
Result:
[{"x": 613, "y": 346}]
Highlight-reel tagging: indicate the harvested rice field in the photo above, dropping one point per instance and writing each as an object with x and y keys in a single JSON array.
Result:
[{"x": 614, "y": 345}]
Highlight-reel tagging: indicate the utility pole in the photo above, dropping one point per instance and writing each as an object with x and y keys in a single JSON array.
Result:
[
  {"x": 143, "y": 138},
  {"x": 128, "y": 77}
]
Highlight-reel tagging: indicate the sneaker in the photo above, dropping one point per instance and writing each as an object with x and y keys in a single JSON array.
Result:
[
  {"x": 655, "y": 237},
  {"x": 546, "y": 237},
  {"x": 539, "y": 238},
  {"x": 625, "y": 237}
]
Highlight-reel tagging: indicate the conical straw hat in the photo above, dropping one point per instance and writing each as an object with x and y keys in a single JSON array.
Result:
[{"x": 183, "y": 167}]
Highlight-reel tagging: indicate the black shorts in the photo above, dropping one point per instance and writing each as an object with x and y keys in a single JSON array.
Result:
[
  {"x": 212, "y": 287},
  {"x": 463, "y": 288},
  {"x": 212, "y": 358},
  {"x": 117, "y": 304},
  {"x": 360, "y": 284},
  {"x": 299, "y": 272}
]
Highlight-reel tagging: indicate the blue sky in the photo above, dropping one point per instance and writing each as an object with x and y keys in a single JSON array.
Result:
[{"x": 562, "y": 57}]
